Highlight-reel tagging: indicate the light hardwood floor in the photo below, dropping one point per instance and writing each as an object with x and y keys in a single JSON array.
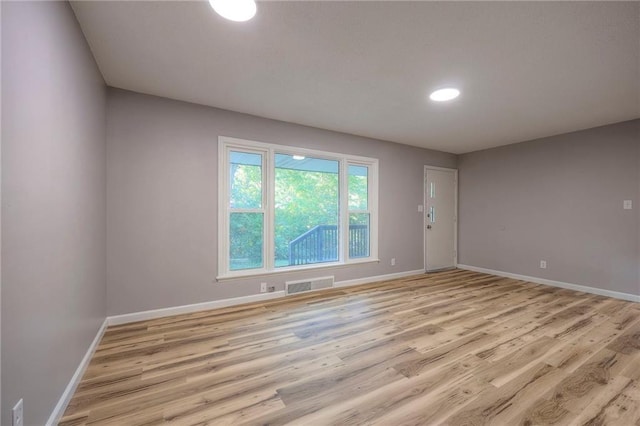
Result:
[{"x": 456, "y": 348}]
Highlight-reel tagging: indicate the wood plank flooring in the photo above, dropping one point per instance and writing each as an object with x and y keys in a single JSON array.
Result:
[{"x": 451, "y": 348}]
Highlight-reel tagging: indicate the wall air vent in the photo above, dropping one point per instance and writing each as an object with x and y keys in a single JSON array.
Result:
[{"x": 302, "y": 286}]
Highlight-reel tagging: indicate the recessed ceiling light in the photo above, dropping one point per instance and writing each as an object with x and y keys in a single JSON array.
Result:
[
  {"x": 234, "y": 10},
  {"x": 446, "y": 94},
  {"x": 299, "y": 157}
]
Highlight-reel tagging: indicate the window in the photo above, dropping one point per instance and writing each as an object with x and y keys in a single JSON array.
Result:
[
  {"x": 246, "y": 213},
  {"x": 306, "y": 210},
  {"x": 283, "y": 208},
  {"x": 359, "y": 214}
]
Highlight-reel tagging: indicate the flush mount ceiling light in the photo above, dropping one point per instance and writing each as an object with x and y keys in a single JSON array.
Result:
[
  {"x": 234, "y": 10},
  {"x": 446, "y": 94}
]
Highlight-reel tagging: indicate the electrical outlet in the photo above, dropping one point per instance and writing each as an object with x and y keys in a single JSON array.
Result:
[
  {"x": 543, "y": 264},
  {"x": 627, "y": 204},
  {"x": 263, "y": 287},
  {"x": 393, "y": 261},
  {"x": 18, "y": 414}
]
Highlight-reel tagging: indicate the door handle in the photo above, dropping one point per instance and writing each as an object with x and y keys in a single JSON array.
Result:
[{"x": 428, "y": 226}]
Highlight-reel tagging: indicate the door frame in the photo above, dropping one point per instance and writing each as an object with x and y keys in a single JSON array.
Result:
[{"x": 424, "y": 213}]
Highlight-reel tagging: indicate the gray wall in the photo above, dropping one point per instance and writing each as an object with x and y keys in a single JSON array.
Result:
[
  {"x": 53, "y": 204},
  {"x": 162, "y": 213},
  {"x": 557, "y": 199},
  {"x": 1, "y": 3}
]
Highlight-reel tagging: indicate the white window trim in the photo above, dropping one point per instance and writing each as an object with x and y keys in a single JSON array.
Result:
[{"x": 268, "y": 150}]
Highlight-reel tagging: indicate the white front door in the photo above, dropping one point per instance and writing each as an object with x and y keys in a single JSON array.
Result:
[{"x": 440, "y": 218}]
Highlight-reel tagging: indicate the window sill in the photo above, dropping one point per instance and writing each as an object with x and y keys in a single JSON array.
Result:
[{"x": 280, "y": 271}]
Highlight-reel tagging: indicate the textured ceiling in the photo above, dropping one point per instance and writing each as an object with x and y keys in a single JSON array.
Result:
[{"x": 526, "y": 69}]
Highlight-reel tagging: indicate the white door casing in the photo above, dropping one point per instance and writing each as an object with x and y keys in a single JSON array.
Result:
[{"x": 440, "y": 218}]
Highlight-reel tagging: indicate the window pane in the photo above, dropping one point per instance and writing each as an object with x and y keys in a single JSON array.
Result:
[
  {"x": 306, "y": 210},
  {"x": 245, "y": 240},
  {"x": 358, "y": 187},
  {"x": 245, "y": 180},
  {"x": 358, "y": 235}
]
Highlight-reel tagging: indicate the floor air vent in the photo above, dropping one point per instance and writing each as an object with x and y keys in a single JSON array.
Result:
[{"x": 293, "y": 287}]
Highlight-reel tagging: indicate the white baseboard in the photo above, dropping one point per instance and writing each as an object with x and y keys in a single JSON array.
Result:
[
  {"x": 552, "y": 283},
  {"x": 376, "y": 278},
  {"x": 223, "y": 303},
  {"x": 64, "y": 400},
  {"x": 187, "y": 309}
]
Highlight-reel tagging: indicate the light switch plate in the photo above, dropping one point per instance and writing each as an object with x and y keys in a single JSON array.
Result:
[
  {"x": 627, "y": 204},
  {"x": 420, "y": 208}
]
